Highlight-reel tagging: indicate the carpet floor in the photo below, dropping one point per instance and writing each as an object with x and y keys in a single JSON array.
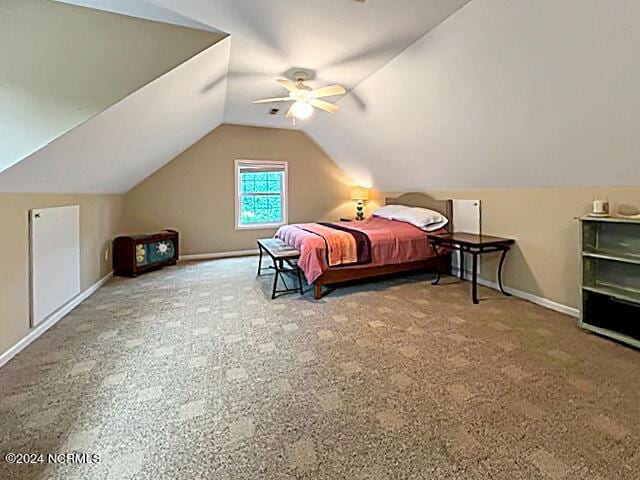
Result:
[{"x": 192, "y": 372}]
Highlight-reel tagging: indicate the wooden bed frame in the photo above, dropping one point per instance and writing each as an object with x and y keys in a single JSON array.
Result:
[{"x": 335, "y": 276}]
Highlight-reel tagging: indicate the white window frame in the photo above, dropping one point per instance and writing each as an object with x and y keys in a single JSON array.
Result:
[{"x": 285, "y": 197}]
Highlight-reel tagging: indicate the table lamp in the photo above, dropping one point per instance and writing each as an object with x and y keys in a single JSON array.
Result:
[{"x": 360, "y": 195}]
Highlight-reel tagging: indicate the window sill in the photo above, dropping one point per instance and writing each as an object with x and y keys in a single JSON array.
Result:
[{"x": 260, "y": 226}]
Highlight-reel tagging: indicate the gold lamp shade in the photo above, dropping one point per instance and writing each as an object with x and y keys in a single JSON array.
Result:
[{"x": 359, "y": 193}]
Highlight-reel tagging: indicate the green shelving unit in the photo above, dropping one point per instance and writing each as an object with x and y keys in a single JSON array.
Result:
[{"x": 611, "y": 278}]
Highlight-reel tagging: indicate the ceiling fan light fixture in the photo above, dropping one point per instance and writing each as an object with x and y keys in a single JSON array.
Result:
[
  {"x": 305, "y": 99},
  {"x": 302, "y": 110}
]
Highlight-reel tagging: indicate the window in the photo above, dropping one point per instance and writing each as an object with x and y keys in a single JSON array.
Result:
[{"x": 261, "y": 194}]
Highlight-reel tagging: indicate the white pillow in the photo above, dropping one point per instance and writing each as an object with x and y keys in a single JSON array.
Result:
[
  {"x": 423, "y": 218},
  {"x": 388, "y": 211}
]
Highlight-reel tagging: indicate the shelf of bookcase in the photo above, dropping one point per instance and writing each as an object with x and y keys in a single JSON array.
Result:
[
  {"x": 615, "y": 292},
  {"x": 614, "y": 256}
]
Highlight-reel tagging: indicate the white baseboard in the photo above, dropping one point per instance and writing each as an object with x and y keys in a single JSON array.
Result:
[
  {"x": 54, "y": 318},
  {"x": 212, "y": 256},
  {"x": 543, "y": 302}
]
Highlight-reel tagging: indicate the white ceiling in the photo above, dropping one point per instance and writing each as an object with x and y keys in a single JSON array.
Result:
[
  {"x": 141, "y": 9},
  {"x": 60, "y": 65},
  {"x": 118, "y": 148},
  {"x": 344, "y": 41},
  {"x": 501, "y": 95}
]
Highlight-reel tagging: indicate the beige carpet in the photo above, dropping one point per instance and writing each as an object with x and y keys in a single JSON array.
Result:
[{"x": 192, "y": 372}]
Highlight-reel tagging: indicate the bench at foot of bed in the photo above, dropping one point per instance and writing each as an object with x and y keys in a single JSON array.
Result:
[{"x": 281, "y": 254}]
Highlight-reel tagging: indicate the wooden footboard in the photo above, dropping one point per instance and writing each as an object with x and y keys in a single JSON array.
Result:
[{"x": 337, "y": 275}]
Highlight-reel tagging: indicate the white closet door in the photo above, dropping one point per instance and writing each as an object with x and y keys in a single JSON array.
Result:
[{"x": 55, "y": 259}]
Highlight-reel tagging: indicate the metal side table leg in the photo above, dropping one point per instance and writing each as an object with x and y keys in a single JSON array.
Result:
[
  {"x": 439, "y": 263},
  {"x": 502, "y": 257},
  {"x": 474, "y": 279},
  {"x": 438, "y": 277}
]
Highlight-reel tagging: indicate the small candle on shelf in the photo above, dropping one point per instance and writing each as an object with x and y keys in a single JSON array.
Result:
[{"x": 601, "y": 207}]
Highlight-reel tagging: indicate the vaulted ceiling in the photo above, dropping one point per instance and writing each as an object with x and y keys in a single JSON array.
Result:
[
  {"x": 343, "y": 41},
  {"x": 60, "y": 65},
  {"x": 117, "y": 149},
  {"x": 504, "y": 94},
  {"x": 441, "y": 94}
]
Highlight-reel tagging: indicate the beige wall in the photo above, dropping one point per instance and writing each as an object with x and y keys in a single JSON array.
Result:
[
  {"x": 100, "y": 221},
  {"x": 545, "y": 260},
  {"x": 62, "y": 64},
  {"x": 195, "y": 193}
]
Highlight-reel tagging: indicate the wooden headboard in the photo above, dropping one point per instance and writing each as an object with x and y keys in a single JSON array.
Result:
[{"x": 417, "y": 199}]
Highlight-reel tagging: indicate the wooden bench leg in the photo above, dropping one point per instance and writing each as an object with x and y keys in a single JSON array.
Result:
[
  {"x": 260, "y": 260},
  {"x": 275, "y": 279},
  {"x": 317, "y": 291},
  {"x": 299, "y": 273}
]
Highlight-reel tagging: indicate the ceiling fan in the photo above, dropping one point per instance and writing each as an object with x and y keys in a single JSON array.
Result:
[{"x": 305, "y": 98}]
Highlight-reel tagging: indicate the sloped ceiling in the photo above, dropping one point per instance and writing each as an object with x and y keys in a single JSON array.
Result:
[
  {"x": 62, "y": 64},
  {"x": 502, "y": 94},
  {"x": 496, "y": 94},
  {"x": 344, "y": 41},
  {"x": 120, "y": 147},
  {"x": 142, "y": 9}
]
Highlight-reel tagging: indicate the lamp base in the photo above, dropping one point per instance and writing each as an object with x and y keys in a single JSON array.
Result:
[{"x": 360, "y": 211}]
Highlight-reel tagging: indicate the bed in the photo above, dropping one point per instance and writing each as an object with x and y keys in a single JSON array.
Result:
[{"x": 394, "y": 246}]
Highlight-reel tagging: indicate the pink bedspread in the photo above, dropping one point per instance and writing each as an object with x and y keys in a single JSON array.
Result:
[{"x": 392, "y": 242}]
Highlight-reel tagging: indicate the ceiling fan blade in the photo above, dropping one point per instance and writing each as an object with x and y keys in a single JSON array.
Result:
[
  {"x": 329, "y": 91},
  {"x": 326, "y": 106},
  {"x": 290, "y": 113},
  {"x": 271, "y": 100},
  {"x": 288, "y": 84}
]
